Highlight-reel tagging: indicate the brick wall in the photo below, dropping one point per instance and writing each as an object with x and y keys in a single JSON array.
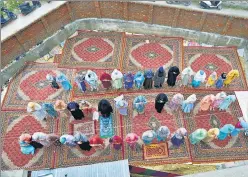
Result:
[{"x": 152, "y": 14}]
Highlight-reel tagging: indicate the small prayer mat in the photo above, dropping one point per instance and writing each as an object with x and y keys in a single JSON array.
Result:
[{"x": 155, "y": 151}]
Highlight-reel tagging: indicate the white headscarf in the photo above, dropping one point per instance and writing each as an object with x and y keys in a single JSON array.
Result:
[
  {"x": 200, "y": 77},
  {"x": 191, "y": 99},
  {"x": 187, "y": 71},
  {"x": 116, "y": 74},
  {"x": 93, "y": 76},
  {"x": 220, "y": 95}
]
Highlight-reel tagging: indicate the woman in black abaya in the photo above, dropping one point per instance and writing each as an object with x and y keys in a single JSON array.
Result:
[
  {"x": 105, "y": 108},
  {"x": 160, "y": 101},
  {"x": 172, "y": 75}
]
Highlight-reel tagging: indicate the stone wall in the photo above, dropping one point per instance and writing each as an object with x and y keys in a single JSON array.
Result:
[{"x": 151, "y": 15}]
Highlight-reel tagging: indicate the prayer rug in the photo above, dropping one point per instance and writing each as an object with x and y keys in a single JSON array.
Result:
[
  {"x": 93, "y": 50},
  {"x": 150, "y": 52},
  {"x": 85, "y": 127},
  {"x": 75, "y": 156},
  {"x": 218, "y": 59},
  {"x": 139, "y": 123},
  {"x": 13, "y": 125},
  {"x": 155, "y": 151},
  {"x": 76, "y": 93},
  {"x": 230, "y": 149},
  {"x": 30, "y": 84}
]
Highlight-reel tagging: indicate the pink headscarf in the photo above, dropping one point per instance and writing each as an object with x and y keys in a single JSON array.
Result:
[{"x": 25, "y": 137}]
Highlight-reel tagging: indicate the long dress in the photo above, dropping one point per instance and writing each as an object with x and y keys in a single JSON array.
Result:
[
  {"x": 211, "y": 135},
  {"x": 139, "y": 79},
  {"x": 92, "y": 79},
  {"x": 220, "y": 82},
  {"x": 225, "y": 131},
  {"x": 106, "y": 80},
  {"x": 77, "y": 113},
  {"x": 178, "y": 137},
  {"x": 64, "y": 82},
  {"x": 117, "y": 78},
  {"x": 60, "y": 105},
  {"x": 139, "y": 104},
  {"x": 45, "y": 139},
  {"x": 176, "y": 101},
  {"x": 197, "y": 136},
  {"x": 160, "y": 101},
  {"x": 122, "y": 106},
  {"x": 219, "y": 98},
  {"x": 207, "y": 102},
  {"x": 163, "y": 133},
  {"x": 199, "y": 78},
  {"x": 186, "y": 75},
  {"x": 36, "y": 110},
  {"x": 49, "y": 108},
  {"x": 26, "y": 148},
  {"x": 188, "y": 104},
  {"x": 159, "y": 77},
  {"x": 227, "y": 102},
  {"x": 211, "y": 79},
  {"x": 128, "y": 80},
  {"x": 131, "y": 139},
  {"x": 82, "y": 141},
  {"x": 148, "y": 79},
  {"x": 105, "y": 108},
  {"x": 80, "y": 81},
  {"x": 231, "y": 76},
  {"x": 52, "y": 80},
  {"x": 172, "y": 75},
  {"x": 68, "y": 140},
  {"x": 148, "y": 136},
  {"x": 240, "y": 125}
]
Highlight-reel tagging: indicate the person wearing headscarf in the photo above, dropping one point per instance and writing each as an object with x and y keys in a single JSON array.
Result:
[
  {"x": 24, "y": 141},
  {"x": 220, "y": 82},
  {"x": 60, "y": 105},
  {"x": 76, "y": 112},
  {"x": 92, "y": 79},
  {"x": 197, "y": 136},
  {"x": 211, "y": 79},
  {"x": 207, "y": 102},
  {"x": 128, "y": 80},
  {"x": 64, "y": 82},
  {"x": 160, "y": 101},
  {"x": 36, "y": 110},
  {"x": 163, "y": 133},
  {"x": 178, "y": 137},
  {"x": 45, "y": 139},
  {"x": 80, "y": 81},
  {"x": 199, "y": 78},
  {"x": 117, "y": 78},
  {"x": 176, "y": 101},
  {"x": 105, "y": 108},
  {"x": 227, "y": 102},
  {"x": 148, "y": 79},
  {"x": 159, "y": 77},
  {"x": 68, "y": 140},
  {"x": 82, "y": 141},
  {"x": 240, "y": 125},
  {"x": 121, "y": 105},
  {"x": 148, "y": 136},
  {"x": 96, "y": 142},
  {"x": 139, "y": 79},
  {"x": 139, "y": 104},
  {"x": 188, "y": 104},
  {"x": 172, "y": 75},
  {"x": 219, "y": 98},
  {"x": 27, "y": 139},
  {"x": 86, "y": 107},
  {"x": 52, "y": 80},
  {"x": 49, "y": 108},
  {"x": 116, "y": 142},
  {"x": 106, "y": 80},
  {"x": 187, "y": 73},
  {"x": 231, "y": 76},
  {"x": 132, "y": 139},
  {"x": 225, "y": 131},
  {"x": 211, "y": 135}
]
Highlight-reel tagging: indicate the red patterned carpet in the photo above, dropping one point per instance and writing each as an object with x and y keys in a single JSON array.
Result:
[
  {"x": 151, "y": 119},
  {"x": 13, "y": 125},
  {"x": 95, "y": 50},
  {"x": 30, "y": 84},
  {"x": 140, "y": 55},
  {"x": 218, "y": 59},
  {"x": 230, "y": 149}
]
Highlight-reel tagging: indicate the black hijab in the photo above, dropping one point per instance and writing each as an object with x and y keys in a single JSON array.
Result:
[
  {"x": 105, "y": 108},
  {"x": 172, "y": 75},
  {"x": 160, "y": 101}
]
